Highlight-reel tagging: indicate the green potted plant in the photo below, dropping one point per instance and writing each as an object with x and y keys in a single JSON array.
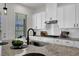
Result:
[{"x": 17, "y": 43}]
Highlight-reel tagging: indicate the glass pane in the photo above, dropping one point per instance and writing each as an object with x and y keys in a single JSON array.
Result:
[
  {"x": 20, "y": 25},
  {"x": 0, "y": 26}
]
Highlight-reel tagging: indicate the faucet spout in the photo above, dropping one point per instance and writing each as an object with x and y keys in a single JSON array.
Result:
[{"x": 34, "y": 33}]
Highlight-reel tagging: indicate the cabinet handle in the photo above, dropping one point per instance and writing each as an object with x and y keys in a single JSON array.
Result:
[
  {"x": 77, "y": 25},
  {"x": 74, "y": 25},
  {"x": 36, "y": 26}
]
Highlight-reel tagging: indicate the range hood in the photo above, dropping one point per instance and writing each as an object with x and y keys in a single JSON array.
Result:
[{"x": 51, "y": 22}]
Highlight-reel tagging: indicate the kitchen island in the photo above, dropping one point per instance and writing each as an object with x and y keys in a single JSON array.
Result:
[{"x": 48, "y": 50}]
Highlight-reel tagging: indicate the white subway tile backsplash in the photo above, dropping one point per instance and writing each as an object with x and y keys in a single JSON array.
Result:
[{"x": 74, "y": 32}]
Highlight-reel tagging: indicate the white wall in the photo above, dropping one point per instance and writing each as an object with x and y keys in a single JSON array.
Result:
[{"x": 8, "y": 21}]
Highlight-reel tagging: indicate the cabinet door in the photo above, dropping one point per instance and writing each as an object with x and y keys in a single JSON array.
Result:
[
  {"x": 34, "y": 21},
  {"x": 69, "y": 16},
  {"x": 77, "y": 15},
  {"x": 43, "y": 19},
  {"x": 60, "y": 17},
  {"x": 38, "y": 20},
  {"x": 51, "y": 11}
]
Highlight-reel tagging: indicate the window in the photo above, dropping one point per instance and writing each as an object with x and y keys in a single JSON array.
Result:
[
  {"x": 0, "y": 25},
  {"x": 20, "y": 25}
]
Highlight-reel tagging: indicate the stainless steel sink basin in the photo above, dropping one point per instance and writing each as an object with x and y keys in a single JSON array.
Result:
[
  {"x": 34, "y": 54},
  {"x": 39, "y": 44}
]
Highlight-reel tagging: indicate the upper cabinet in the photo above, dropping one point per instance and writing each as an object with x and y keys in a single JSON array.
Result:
[
  {"x": 68, "y": 16},
  {"x": 34, "y": 19},
  {"x": 77, "y": 15},
  {"x": 51, "y": 9},
  {"x": 43, "y": 19},
  {"x": 38, "y": 20},
  {"x": 60, "y": 17}
]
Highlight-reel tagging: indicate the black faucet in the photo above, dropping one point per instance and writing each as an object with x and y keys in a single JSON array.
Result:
[{"x": 34, "y": 33}]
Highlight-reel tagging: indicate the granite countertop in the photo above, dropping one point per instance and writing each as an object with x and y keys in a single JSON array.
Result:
[
  {"x": 48, "y": 50},
  {"x": 7, "y": 51},
  {"x": 73, "y": 39}
]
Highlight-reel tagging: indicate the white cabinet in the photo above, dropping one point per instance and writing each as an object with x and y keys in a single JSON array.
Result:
[
  {"x": 34, "y": 21},
  {"x": 39, "y": 20},
  {"x": 43, "y": 19},
  {"x": 77, "y": 16},
  {"x": 66, "y": 16},
  {"x": 69, "y": 16},
  {"x": 51, "y": 11},
  {"x": 60, "y": 17}
]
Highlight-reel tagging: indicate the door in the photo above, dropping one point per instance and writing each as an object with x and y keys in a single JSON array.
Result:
[{"x": 20, "y": 25}]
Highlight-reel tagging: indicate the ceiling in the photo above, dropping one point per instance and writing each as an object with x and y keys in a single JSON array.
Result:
[
  {"x": 37, "y": 5},
  {"x": 33, "y": 5}
]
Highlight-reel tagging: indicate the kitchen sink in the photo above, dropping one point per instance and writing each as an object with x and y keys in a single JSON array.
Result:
[
  {"x": 34, "y": 54},
  {"x": 39, "y": 44}
]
